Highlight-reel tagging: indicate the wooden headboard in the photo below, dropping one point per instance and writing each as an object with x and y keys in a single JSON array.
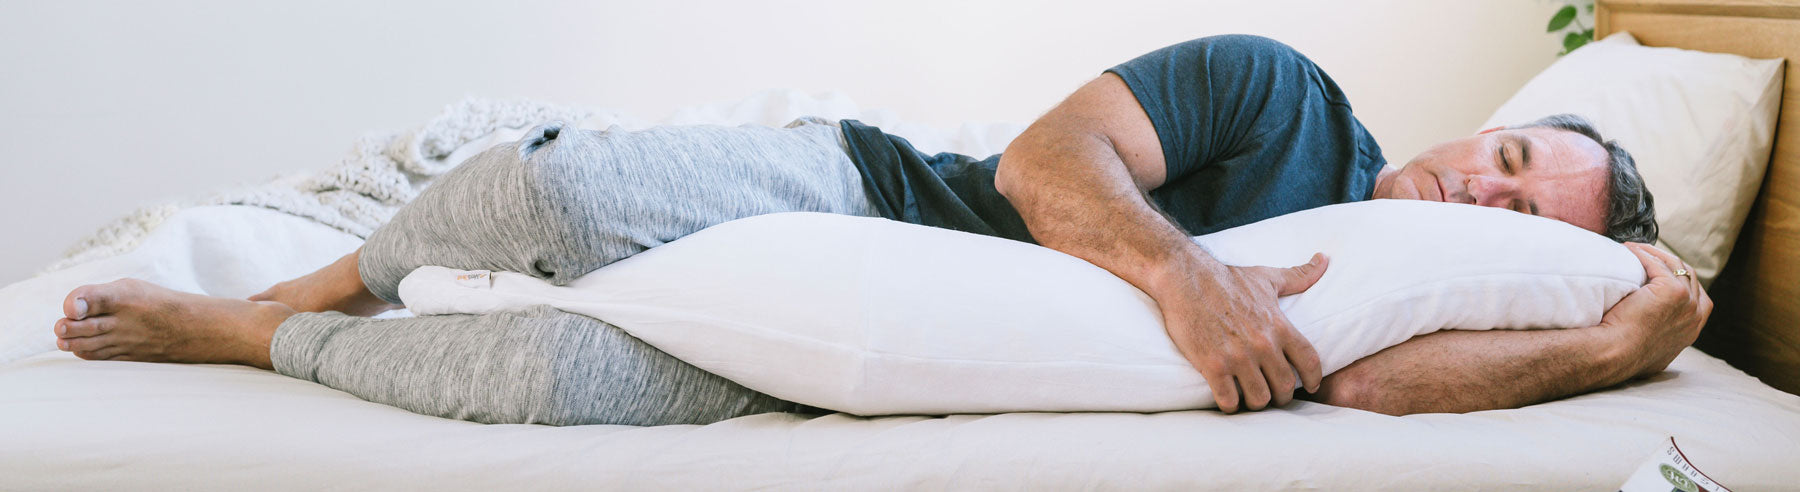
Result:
[{"x": 1755, "y": 323}]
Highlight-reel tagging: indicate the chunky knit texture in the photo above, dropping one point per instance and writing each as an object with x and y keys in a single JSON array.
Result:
[{"x": 381, "y": 173}]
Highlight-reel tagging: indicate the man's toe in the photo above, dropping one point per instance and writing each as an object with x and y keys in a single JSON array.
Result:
[
  {"x": 102, "y": 351},
  {"x": 83, "y": 344},
  {"x": 96, "y": 299},
  {"x": 91, "y": 326}
]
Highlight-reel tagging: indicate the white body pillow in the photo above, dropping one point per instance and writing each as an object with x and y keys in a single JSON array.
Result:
[{"x": 871, "y": 316}]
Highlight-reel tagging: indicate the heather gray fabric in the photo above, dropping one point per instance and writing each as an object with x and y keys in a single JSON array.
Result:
[
  {"x": 557, "y": 204},
  {"x": 534, "y": 366}
]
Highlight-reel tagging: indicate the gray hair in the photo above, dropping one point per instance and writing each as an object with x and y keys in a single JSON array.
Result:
[{"x": 1630, "y": 210}]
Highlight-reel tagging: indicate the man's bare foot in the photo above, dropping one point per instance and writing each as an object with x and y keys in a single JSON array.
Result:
[
  {"x": 337, "y": 287},
  {"x": 130, "y": 319}
]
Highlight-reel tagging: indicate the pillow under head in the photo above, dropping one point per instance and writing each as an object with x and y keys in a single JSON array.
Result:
[
  {"x": 871, "y": 316},
  {"x": 1699, "y": 125}
]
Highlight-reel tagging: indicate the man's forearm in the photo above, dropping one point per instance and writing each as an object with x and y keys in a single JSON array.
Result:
[{"x": 1456, "y": 371}]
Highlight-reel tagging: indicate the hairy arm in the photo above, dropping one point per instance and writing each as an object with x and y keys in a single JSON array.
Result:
[
  {"x": 1467, "y": 371},
  {"x": 1078, "y": 177}
]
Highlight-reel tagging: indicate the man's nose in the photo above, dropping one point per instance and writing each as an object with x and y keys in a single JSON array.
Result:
[{"x": 1490, "y": 191}]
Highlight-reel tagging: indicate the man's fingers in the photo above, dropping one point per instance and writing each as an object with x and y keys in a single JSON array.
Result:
[
  {"x": 1280, "y": 379},
  {"x": 1667, "y": 263},
  {"x": 1653, "y": 266},
  {"x": 1667, "y": 257},
  {"x": 1224, "y": 389},
  {"x": 1304, "y": 358},
  {"x": 1694, "y": 290},
  {"x": 1667, "y": 260},
  {"x": 1255, "y": 386},
  {"x": 1691, "y": 281},
  {"x": 1297, "y": 279}
]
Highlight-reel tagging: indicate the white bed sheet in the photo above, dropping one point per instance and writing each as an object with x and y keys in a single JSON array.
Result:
[{"x": 73, "y": 424}]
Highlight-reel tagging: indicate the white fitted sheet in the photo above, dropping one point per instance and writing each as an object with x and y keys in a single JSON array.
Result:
[{"x": 73, "y": 424}]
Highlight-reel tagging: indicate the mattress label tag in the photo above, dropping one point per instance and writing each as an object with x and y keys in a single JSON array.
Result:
[
  {"x": 1669, "y": 470},
  {"x": 476, "y": 279}
]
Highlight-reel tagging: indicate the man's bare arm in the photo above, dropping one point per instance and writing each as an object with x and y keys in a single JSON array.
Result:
[
  {"x": 1466, "y": 371},
  {"x": 1078, "y": 177}
]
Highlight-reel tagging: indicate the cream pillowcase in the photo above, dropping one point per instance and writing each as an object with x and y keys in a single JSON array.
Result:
[
  {"x": 1700, "y": 126},
  {"x": 871, "y": 316}
]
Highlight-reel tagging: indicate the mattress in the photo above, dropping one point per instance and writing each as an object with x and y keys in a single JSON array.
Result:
[{"x": 74, "y": 424}]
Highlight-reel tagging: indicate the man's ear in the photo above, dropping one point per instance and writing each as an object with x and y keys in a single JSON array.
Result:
[{"x": 1491, "y": 130}]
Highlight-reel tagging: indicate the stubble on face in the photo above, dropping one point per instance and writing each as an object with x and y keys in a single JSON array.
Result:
[{"x": 1566, "y": 180}]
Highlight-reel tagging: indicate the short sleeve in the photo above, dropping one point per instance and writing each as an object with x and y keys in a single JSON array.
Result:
[{"x": 1206, "y": 96}]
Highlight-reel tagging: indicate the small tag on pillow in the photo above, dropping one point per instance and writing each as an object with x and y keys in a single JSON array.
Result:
[
  {"x": 476, "y": 279},
  {"x": 1668, "y": 470}
]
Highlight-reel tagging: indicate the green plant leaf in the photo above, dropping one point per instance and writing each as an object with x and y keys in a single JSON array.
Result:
[
  {"x": 1572, "y": 41},
  {"x": 1561, "y": 19}
]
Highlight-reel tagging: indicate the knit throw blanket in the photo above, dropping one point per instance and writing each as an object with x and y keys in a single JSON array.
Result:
[
  {"x": 358, "y": 195},
  {"x": 383, "y": 173}
]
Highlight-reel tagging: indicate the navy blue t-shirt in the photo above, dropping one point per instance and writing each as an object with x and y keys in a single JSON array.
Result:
[{"x": 1250, "y": 129}]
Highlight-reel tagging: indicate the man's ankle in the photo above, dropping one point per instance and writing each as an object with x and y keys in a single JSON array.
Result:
[{"x": 261, "y": 336}]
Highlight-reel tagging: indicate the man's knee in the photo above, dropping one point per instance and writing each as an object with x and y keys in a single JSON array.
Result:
[{"x": 528, "y": 206}]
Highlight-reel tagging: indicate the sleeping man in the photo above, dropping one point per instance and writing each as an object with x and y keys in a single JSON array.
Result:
[{"x": 1187, "y": 140}]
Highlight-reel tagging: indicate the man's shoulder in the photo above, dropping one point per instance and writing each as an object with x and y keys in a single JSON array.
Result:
[
  {"x": 1232, "y": 67},
  {"x": 1241, "y": 44},
  {"x": 1238, "y": 50}
]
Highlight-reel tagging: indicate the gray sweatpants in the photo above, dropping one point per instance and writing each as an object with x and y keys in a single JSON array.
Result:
[{"x": 557, "y": 204}]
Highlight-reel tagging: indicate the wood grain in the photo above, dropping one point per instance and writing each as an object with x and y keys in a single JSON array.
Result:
[{"x": 1755, "y": 325}]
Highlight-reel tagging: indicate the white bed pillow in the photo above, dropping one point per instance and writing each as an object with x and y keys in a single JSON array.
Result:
[
  {"x": 1699, "y": 124},
  {"x": 871, "y": 316}
]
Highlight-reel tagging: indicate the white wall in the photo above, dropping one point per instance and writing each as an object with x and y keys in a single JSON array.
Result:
[{"x": 109, "y": 105}]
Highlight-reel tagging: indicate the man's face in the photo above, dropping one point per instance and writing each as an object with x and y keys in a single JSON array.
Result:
[{"x": 1540, "y": 171}]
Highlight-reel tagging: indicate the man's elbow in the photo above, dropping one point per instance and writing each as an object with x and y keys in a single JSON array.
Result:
[
  {"x": 1351, "y": 391},
  {"x": 1008, "y": 179},
  {"x": 1022, "y": 158}
]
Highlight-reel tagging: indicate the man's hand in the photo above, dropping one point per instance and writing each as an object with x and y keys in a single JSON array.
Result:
[
  {"x": 1079, "y": 177},
  {"x": 1229, "y": 327},
  {"x": 1654, "y": 323}
]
